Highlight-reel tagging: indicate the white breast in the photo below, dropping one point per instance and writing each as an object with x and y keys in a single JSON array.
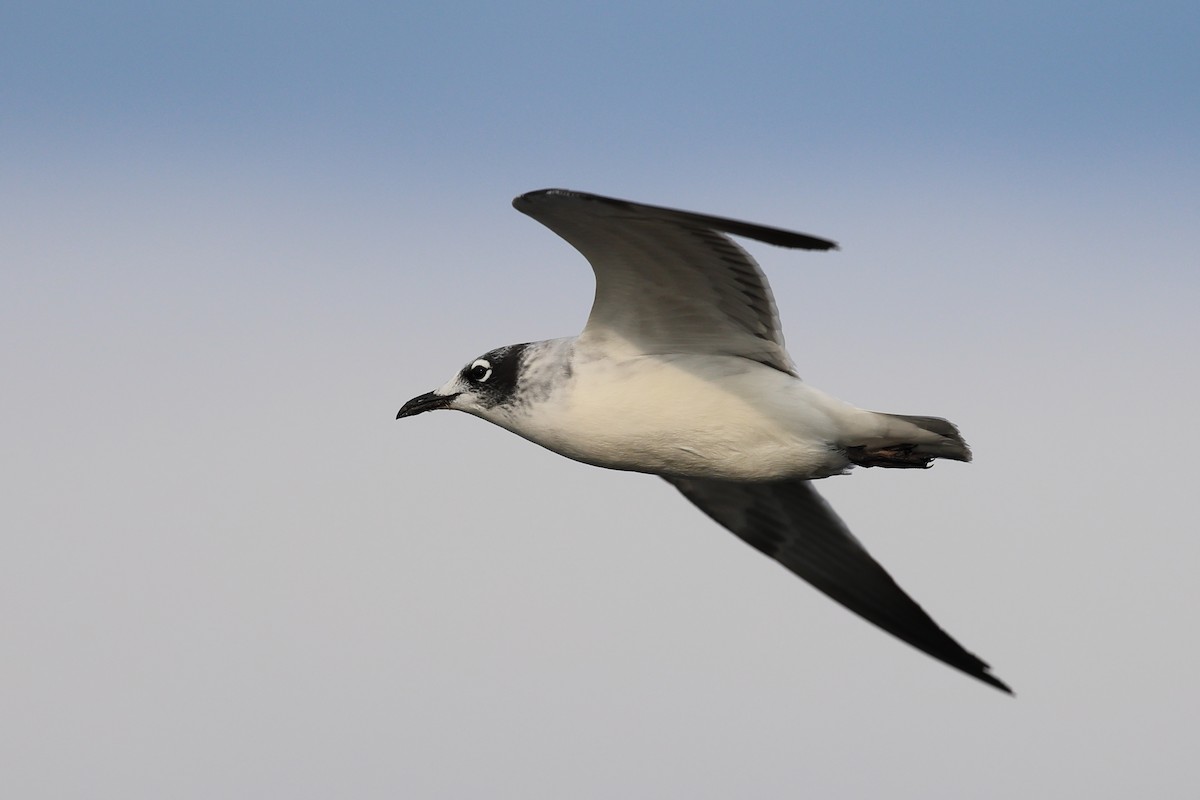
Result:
[{"x": 691, "y": 416}]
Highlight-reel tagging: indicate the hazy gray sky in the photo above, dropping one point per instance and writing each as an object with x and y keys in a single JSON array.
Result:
[{"x": 235, "y": 238}]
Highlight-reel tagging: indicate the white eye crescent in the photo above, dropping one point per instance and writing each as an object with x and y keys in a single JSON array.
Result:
[{"x": 480, "y": 370}]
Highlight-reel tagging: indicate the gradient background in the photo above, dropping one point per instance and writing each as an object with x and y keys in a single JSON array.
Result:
[{"x": 235, "y": 237}]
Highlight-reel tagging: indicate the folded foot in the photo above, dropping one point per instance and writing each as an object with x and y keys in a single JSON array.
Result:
[{"x": 900, "y": 456}]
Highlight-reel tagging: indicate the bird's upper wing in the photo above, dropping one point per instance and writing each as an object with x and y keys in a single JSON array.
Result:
[
  {"x": 794, "y": 525},
  {"x": 671, "y": 281}
]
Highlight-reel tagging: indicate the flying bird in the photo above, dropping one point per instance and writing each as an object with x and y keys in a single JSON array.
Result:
[{"x": 681, "y": 371}]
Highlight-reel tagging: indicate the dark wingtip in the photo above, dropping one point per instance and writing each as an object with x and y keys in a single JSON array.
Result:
[
  {"x": 537, "y": 194},
  {"x": 751, "y": 230},
  {"x": 992, "y": 680}
]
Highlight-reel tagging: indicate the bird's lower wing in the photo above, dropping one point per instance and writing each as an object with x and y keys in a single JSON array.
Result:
[{"x": 794, "y": 525}]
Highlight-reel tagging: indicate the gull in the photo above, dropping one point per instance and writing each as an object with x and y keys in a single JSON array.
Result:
[{"x": 681, "y": 372}]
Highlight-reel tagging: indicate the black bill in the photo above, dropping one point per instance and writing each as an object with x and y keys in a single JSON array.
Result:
[{"x": 426, "y": 402}]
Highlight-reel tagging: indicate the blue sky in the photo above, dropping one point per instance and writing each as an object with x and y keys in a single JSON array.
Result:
[
  {"x": 546, "y": 79},
  {"x": 235, "y": 237}
]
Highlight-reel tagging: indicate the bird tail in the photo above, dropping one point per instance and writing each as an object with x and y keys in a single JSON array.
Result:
[{"x": 910, "y": 442}]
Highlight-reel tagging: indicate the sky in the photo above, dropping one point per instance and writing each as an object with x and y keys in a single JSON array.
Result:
[{"x": 236, "y": 237}]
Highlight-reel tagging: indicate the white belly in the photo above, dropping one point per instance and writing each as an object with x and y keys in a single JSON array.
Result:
[{"x": 692, "y": 416}]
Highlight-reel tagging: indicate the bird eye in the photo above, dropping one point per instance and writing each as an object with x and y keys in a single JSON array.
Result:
[{"x": 480, "y": 370}]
